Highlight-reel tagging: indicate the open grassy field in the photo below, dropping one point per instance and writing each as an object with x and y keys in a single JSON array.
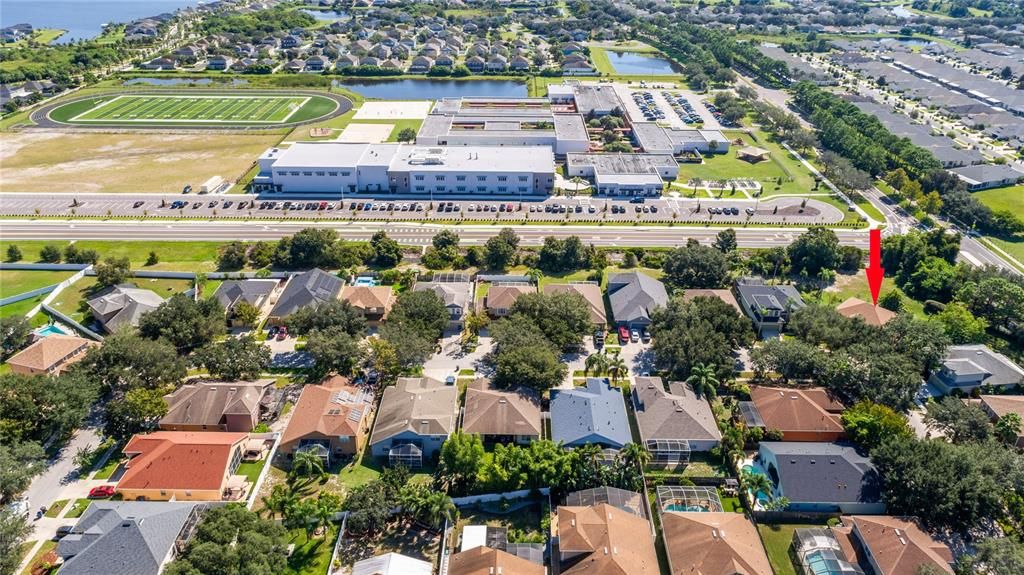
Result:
[
  {"x": 13, "y": 282},
  {"x": 1010, "y": 198},
  {"x": 173, "y": 256},
  {"x": 192, "y": 109},
  {"x": 1013, "y": 246},
  {"x": 856, "y": 285},
  {"x": 796, "y": 179},
  {"x": 47, "y": 161}
]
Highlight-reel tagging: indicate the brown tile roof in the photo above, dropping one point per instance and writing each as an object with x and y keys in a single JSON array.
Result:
[
  {"x": 1000, "y": 405},
  {"x": 208, "y": 402},
  {"x": 369, "y": 297},
  {"x": 713, "y": 544},
  {"x": 590, "y": 292},
  {"x": 797, "y": 409},
  {"x": 334, "y": 407},
  {"x": 493, "y": 411},
  {"x": 722, "y": 294},
  {"x": 898, "y": 545},
  {"x": 871, "y": 314},
  {"x": 488, "y": 561},
  {"x": 179, "y": 459},
  {"x": 613, "y": 541},
  {"x": 502, "y": 297},
  {"x": 49, "y": 351}
]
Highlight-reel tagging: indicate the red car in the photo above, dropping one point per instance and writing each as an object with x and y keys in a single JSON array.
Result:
[
  {"x": 282, "y": 333},
  {"x": 623, "y": 335},
  {"x": 101, "y": 492}
]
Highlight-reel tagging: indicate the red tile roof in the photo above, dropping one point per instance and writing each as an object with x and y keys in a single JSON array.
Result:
[{"x": 179, "y": 459}]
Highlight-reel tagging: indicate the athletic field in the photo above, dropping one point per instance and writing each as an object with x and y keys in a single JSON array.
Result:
[{"x": 192, "y": 109}]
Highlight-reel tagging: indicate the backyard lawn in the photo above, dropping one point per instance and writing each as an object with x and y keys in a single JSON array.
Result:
[
  {"x": 14, "y": 282},
  {"x": 1014, "y": 246},
  {"x": 311, "y": 556},
  {"x": 523, "y": 523},
  {"x": 20, "y": 308},
  {"x": 777, "y": 541},
  {"x": 251, "y": 470},
  {"x": 405, "y": 538}
]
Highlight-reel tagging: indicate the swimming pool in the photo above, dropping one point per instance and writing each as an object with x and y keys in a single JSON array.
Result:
[
  {"x": 365, "y": 282},
  {"x": 50, "y": 329},
  {"x": 681, "y": 508}
]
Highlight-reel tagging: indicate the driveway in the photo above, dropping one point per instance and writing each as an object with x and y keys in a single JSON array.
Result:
[{"x": 452, "y": 358}]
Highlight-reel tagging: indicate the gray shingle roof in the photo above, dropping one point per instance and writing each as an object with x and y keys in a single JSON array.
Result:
[
  {"x": 123, "y": 537},
  {"x": 824, "y": 472},
  {"x": 421, "y": 405},
  {"x": 309, "y": 288},
  {"x": 123, "y": 305},
  {"x": 676, "y": 415},
  {"x": 232, "y": 292},
  {"x": 634, "y": 295},
  {"x": 596, "y": 414},
  {"x": 978, "y": 359}
]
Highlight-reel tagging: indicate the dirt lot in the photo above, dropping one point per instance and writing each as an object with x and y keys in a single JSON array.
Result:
[{"x": 38, "y": 161}]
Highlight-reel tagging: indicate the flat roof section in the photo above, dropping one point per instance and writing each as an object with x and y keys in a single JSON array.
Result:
[
  {"x": 537, "y": 159},
  {"x": 596, "y": 97},
  {"x": 623, "y": 163}
]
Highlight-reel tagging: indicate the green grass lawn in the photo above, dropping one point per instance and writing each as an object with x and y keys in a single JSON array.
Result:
[
  {"x": 856, "y": 285},
  {"x": 796, "y": 179},
  {"x": 1010, "y": 198},
  {"x": 44, "y": 550},
  {"x": 311, "y": 556},
  {"x": 199, "y": 108},
  {"x": 1013, "y": 246},
  {"x": 175, "y": 256},
  {"x": 110, "y": 466},
  {"x": 77, "y": 508},
  {"x": 13, "y": 282},
  {"x": 367, "y": 469},
  {"x": 777, "y": 540},
  {"x": 20, "y": 308},
  {"x": 56, "y": 508},
  {"x": 251, "y": 470}
]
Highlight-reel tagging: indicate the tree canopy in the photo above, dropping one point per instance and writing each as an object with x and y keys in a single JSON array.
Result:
[{"x": 704, "y": 330}]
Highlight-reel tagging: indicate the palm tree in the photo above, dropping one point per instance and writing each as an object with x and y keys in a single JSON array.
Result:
[
  {"x": 435, "y": 508},
  {"x": 596, "y": 363},
  {"x": 703, "y": 381},
  {"x": 755, "y": 483},
  {"x": 280, "y": 498},
  {"x": 635, "y": 455},
  {"x": 617, "y": 368},
  {"x": 327, "y": 504},
  {"x": 476, "y": 321},
  {"x": 307, "y": 464},
  {"x": 535, "y": 275}
]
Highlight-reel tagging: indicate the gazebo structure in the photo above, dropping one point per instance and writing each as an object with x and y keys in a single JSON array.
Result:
[{"x": 752, "y": 154}]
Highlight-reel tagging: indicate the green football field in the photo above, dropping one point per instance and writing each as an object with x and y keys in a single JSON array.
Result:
[{"x": 193, "y": 109}]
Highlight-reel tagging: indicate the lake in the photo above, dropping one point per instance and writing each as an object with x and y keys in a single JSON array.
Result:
[
  {"x": 326, "y": 15},
  {"x": 636, "y": 63},
  {"x": 82, "y": 18},
  {"x": 433, "y": 89},
  {"x": 907, "y": 41}
]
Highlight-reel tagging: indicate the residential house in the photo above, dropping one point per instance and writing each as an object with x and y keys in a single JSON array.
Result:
[
  {"x": 673, "y": 423},
  {"x": 871, "y": 314},
  {"x": 456, "y": 296},
  {"x": 122, "y": 305},
  {"x": 415, "y": 417},
  {"x": 370, "y": 61},
  {"x": 809, "y": 414},
  {"x": 308, "y": 288},
  {"x": 633, "y": 296},
  {"x": 485, "y": 560},
  {"x": 50, "y": 355},
  {"x": 572, "y": 48},
  {"x": 218, "y": 62},
  {"x": 722, "y": 294},
  {"x": 445, "y": 60},
  {"x": 967, "y": 367},
  {"x": 126, "y": 537},
  {"x": 892, "y": 545},
  {"x": 497, "y": 63},
  {"x": 391, "y": 64},
  {"x": 594, "y": 414},
  {"x": 475, "y": 64},
  {"x": 346, "y": 61},
  {"x": 500, "y": 297},
  {"x": 768, "y": 306},
  {"x": 628, "y": 501},
  {"x": 985, "y": 176},
  {"x": 184, "y": 466},
  {"x": 578, "y": 68},
  {"x": 998, "y": 406},
  {"x": 500, "y": 415},
  {"x": 242, "y": 64},
  {"x": 604, "y": 540},
  {"x": 331, "y": 419},
  {"x": 189, "y": 54},
  {"x": 254, "y": 292},
  {"x": 822, "y": 477},
  {"x": 380, "y": 51},
  {"x": 295, "y": 65},
  {"x": 519, "y": 64},
  {"x": 591, "y": 292},
  {"x": 421, "y": 65},
  {"x": 157, "y": 64},
  {"x": 317, "y": 64},
  {"x": 713, "y": 543},
  {"x": 392, "y": 564},
  {"x": 291, "y": 41},
  {"x": 374, "y": 302},
  {"x": 215, "y": 406}
]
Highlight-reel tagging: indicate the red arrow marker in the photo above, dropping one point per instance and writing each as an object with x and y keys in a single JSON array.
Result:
[{"x": 874, "y": 270}]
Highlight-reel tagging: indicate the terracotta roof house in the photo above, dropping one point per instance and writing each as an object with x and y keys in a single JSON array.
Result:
[
  {"x": 800, "y": 414},
  {"x": 331, "y": 418},
  {"x": 605, "y": 540},
  {"x": 969, "y": 366},
  {"x": 126, "y": 537},
  {"x": 184, "y": 465},
  {"x": 122, "y": 305},
  {"x": 50, "y": 355},
  {"x": 871, "y": 314},
  {"x": 673, "y": 423},
  {"x": 456, "y": 296},
  {"x": 591, "y": 292},
  {"x": 500, "y": 298},
  {"x": 998, "y": 406},
  {"x": 488, "y": 561},
  {"x": 502, "y": 416},
  {"x": 308, "y": 288},
  {"x": 595, "y": 414},
  {"x": 633, "y": 297},
  {"x": 392, "y": 564},
  {"x": 892, "y": 545},
  {"x": 415, "y": 417},
  {"x": 373, "y": 301},
  {"x": 215, "y": 406},
  {"x": 722, "y": 294},
  {"x": 822, "y": 477},
  {"x": 713, "y": 543}
]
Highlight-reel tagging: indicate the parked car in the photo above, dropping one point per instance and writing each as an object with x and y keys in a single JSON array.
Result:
[
  {"x": 634, "y": 335},
  {"x": 187, "y": 189},
  {"x": 101, "y": 491},
  {"x": 282, "y": 333},
  {"x": 273, "y": 331},
  {"x": 645, "y": 336},
  {"x": 623, "y": 335},
  {"x": 63, "y": 532},
  {"x": 137, "y": 204}
]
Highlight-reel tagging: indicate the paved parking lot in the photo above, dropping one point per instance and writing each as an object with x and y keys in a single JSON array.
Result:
[{"x": 556, "y": 209}]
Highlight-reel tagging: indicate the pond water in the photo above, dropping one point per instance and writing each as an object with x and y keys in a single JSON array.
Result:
[
  {"x": 326, "y": 15},
  {"x": 178, "y": 81},
  {"x": 907, "y": 41},
  {"x": 640, "y": 64},
  {"x": 432, "y": 89}
]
